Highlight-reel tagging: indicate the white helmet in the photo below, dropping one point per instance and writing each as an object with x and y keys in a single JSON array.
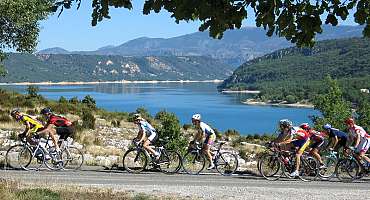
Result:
[{"x": 196, "y": 117}]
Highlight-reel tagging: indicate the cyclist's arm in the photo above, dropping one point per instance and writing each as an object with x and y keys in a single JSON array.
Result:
[
  {"x": 140, "y": 136},
  {"x": 357, "y": 139},
  {"x": 335, "y": 141},
  {"x": 48, "y": 128},
  {"x": 27, "y": 129}
]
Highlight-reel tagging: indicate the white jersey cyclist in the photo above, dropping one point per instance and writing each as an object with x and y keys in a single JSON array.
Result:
[
  {"x": 210, "y": 133},
  {"x": 148, "y": 129},
  {"x": 364, "y": 138}
]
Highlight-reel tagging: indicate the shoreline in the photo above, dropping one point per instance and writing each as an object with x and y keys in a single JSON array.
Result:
[
  {"x": 240, "y": 91},
  {"x": 291, "y": 105},
  {"x": 107, "y": 82}
]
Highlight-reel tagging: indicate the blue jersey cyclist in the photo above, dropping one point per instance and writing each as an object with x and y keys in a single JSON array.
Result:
[
  {"x": 206, "y": 132},
  {"x": 146, "y": 134},
  {"x": 337, "y": 137}
]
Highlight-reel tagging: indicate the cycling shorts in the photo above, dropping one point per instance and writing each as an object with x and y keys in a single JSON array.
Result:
[
  {"x": 210, "y": 139},
  {"x": 363, "y": 146},
  {"x": 153, "y": 137},
  {"x": 316, "y": 144},
  {"x": 301, "y": 144}
]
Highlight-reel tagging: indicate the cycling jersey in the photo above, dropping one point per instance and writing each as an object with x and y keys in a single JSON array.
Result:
[
  {"x": 59, "y": 121},
  {"x": 335, "y": 132},
  {"x": 210, "y": 133},
  {"x": 364, "y": 144},
  {"x": 300, "y": 138},
  {"x": 35, "y": 125},
  {"x": 316, "y": 138},
  {"x": 147, "y": 128}
]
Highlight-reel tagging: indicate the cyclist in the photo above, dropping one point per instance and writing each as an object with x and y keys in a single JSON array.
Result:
[
  {"x": 361, "y": 139},
  {"x": 295, "y": 136},
  {"x": 205, "y": 131},
  {"x": 337, "y": 137},
  {"x": 33, "y": 126},
  {"x": 146, "y": 134},
  {"x": 317, "y": 140},
  {"x": 63, "y": 126}
]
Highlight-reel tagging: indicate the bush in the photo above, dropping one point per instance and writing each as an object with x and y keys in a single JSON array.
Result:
[
  {"x": 186, "y": 126},
  {"x": 170, "y": 127},
  {"x": 291, "y": 99},
  {"x": 62, "y": 100},
  {"x": 231, "y": 133},
  {"x": 32, "y": 91},
  {"x": 89, "y": 101},
  {"x": 74, "y": 100},
  {"x": 88, "y": 120}
]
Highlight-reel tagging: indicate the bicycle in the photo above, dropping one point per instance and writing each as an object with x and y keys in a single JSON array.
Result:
[
  {"x": 72, "y": 157},
  {"x": 330, "y": 160},
  {"x": 271, "y": 164},
  {"x": 135, "y": 160},
  {"x": 349, "y": 168},
  {"x": 226, "y": 163},
  {"x": 26, "y": 156}
]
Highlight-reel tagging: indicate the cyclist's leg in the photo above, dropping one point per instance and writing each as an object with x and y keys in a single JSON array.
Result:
[
  {"x": 150, "y": 140},
  {"x": 315, "y": 150}
]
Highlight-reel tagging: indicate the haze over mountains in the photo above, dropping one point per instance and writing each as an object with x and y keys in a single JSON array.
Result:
[{"x": 235, "y": 48}]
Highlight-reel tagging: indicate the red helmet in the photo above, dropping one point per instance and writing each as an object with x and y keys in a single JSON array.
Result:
[
  {"x": 349, "y": 121},
  {"x": 305, "y": 126}
]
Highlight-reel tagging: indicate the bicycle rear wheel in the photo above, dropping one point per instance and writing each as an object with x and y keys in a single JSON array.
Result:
[
  {"x": 347, "y": 170},
  {"x": 329, "y": 171},
  {"x": 11, "y": 156},
  {"x": 193, "y": 163},
  {"x": 73, "y": 158},
  {"x": 169, "y": 162},
  {"x": 135, "y": 161},
  {"x": 53, "y": 159},
  {"x": 270, "y": 167},
  {"x": 308, "y": 169},
  {"x": 227, "y": 163}
]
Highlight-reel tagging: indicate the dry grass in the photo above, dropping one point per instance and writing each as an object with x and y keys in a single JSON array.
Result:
[
  {"x": 10, "y": 190},
  {"x": 12, "y": 125},
  {"x": 103, "y": 151}
]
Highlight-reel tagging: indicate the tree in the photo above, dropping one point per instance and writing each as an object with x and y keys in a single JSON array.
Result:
[
  {"x": 19, "y": 24},
  {"x": 33, "y": 91},
  {"x": 363, "y": 113},
  {"x": 89, "y": 101},
  {"x": 331, "y": 104},
  {"x": 296, "y": 20}
]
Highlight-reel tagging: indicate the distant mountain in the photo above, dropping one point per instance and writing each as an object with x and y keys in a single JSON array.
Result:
[
  {"x": 55, "y": 50},
  {"x": 74, "y": 67},
  {"x": 299, "y": 72},
  {"x": 236, "y": 47}
]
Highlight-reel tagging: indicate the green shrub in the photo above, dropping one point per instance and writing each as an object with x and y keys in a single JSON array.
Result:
[
  {"x": 88, "y": 120},
  {"x": 231, "y": 133},
  {"x": 32, "y": 91},
  {"x": 89, "y": 101},
  {"x": 62, "y": 100},
  {"x": 74, "y": 100},
  {"x": 186, "y": 126}
]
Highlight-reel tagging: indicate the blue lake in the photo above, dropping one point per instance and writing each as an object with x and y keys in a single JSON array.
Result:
[{"x": 222, "y": 111}]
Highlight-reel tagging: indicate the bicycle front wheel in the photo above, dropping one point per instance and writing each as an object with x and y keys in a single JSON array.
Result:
[
  {"x": 193, "y": 163},
  {"x": 135, "y": 161},
  {"x": 347, "y": 170},
  {"x": 308, "y": 169},
  {"x": 169, "y": 162},
  {"x": 329, "y": 171},
  {"x": 73, "y": 158},
  {"x": 270, "y": 167},
  {"x": 227, "y": 163},
  {"x": 12, "y": 157},
  {"x": 29, "y": 162}
]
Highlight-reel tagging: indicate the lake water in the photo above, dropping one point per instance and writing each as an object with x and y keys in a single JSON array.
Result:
[{"x": 222, "y": 111}]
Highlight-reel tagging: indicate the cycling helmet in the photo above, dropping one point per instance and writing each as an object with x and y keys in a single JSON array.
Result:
[
  {"x": 138, "y": 117},
  {"x": 327, "y": 126},
  {"x": 305, "y": 126},
  {"x": 14, "y": 112},
  {"x": 196, "y": 117},
  {"x": 45, "y": 111},
  {"x": 286, "y": 123},
  {"x": 349, "y": 121}
]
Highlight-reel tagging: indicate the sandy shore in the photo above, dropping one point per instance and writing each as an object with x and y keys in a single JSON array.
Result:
[
  {"x": 241, "y": 91},
  {"x": 104, "y": 82},
  {"x": 260, "y": 103}
]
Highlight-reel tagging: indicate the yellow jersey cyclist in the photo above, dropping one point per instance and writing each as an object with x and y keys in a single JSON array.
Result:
[
  {"x": 296, "y": 136},
  {"x": 206, "y": 132},
  {"x": 33, "y": 126},
  {"x": 147, "y": 134}
]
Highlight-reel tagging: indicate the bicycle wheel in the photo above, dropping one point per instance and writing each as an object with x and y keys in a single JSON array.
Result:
[
  {"x": 270, "y": 167},
  {"x": 11, "y": 156},
  {"x": 28, "y": 162},
  {"x": 193, "y": 163},
  {"x": 135, "y": 161},
  {"x": 227, "y": 163},
  {"x": 328, "y": 172},
  {"x": 169, "y": 162},
  {"x": 308, "y": 170},
  {"x": 73, "y": 158},
  {"x": 53, "y": 159},
  {"x": 347, "y": 170}
]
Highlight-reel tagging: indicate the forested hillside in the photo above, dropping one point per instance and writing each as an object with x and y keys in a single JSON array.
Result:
[
  {"x": 73, "y": 67},
  {"x": 295, "y": 74}
]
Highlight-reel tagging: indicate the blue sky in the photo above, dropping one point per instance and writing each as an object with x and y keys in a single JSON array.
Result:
[{"x": 73, "y": 30}]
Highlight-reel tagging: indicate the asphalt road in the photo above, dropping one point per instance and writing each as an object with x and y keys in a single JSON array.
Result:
[{"x": 207, "y": 186}]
